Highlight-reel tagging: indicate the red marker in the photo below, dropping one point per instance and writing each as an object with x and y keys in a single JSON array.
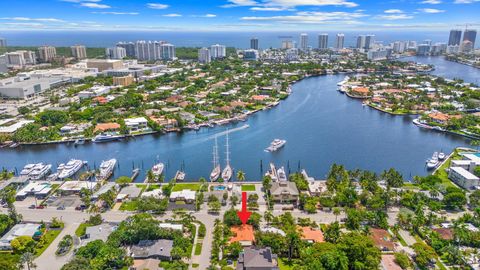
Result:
[{"x": 244, "y": 215}]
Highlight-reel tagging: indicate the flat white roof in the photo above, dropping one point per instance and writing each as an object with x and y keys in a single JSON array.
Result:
[
  {"x": 472, "y": 157},
  {"x": 171, "y": 226},
  {"x": 464, "y": 173},
  {"x": 15, "y": 127},
  {"x": 135, "y": 121},
  {"x": 186, "y": 194},
  {"x": 35, "y": 187},
  {"x": 27, "y": 229},
  {"x": 77, "y": 185}
]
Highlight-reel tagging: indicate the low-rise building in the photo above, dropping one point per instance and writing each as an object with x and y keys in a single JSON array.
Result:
[
  {"x": 136, "y": 124},
  {"x": 388, "y": 262},
  {"x": 253, "y": 258},
  {"x": 99, "y": 232},
  {"x": 244, "y": 234},
  {"x": 123, "y": 80},
  {"x": 74, "y": 187},
  {"x": 284, "y": 192},
  {"x": 171, "y": 226},
  {"x": 28, "y": 229},
  {"x": 311, "y": 235},
  {"x": 9, "y": 130},
  {"x": 38, "y": 189},
  {"x": 152, "y": 249},
  {"x": 186, "y": 195},
  {"x": 104, "y": 64},
  {"x": 130, "y": 192},
  {"x": 382, "y": 239},
  {"x": 464, "y": 178},
  {"x": 29, "y": 88}
]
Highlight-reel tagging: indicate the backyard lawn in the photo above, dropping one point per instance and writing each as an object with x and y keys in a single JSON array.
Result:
[
  {"x": 191, "y": 186},
  {"x": 248, "y": 187}
]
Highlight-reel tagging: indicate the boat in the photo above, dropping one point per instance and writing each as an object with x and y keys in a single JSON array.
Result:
[
  {"x": 14, "y": 145},
  {"x": 227, "y": 171},
  {"x": 106, "y": 138},
  {"x": 69, "y": 169},
  {"x": 40, "y": 171},
  {"x": 441, "y": 156},
  {"x": 106, "y": 168},
  {"x": 275, "y": 145},
  {"x": 27, "y": 169},
  {"x": 79, "y": 141},
  {"x": 215, "y": 174},
  {"x": 180, "y": 176},
  {"x": 272, "y": 173},
  {"x": 433, "y": 161},
  {"x": 282, "y": 176},
  {"x": 421, "y": 123},
  {"x": 157, "y": 169}
]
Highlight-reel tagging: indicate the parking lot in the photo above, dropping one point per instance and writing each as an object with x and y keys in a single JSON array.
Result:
[{"x": 67, "y": 201}]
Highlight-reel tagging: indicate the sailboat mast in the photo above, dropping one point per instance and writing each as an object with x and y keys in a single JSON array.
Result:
[{"x": 228, "y": 151}]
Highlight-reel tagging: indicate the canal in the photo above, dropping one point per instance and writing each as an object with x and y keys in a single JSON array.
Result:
[{"x": 321, "y": 126}]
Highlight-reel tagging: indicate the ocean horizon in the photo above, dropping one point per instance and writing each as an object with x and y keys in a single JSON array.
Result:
[{"x": 239, "y": 40}]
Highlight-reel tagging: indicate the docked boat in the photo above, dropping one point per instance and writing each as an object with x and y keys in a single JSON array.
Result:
[
  {"x": 421, "y": 123},
  {"x": 433, "y": 162},
  {"x": 282, "y": 176},
  {"x": 215, "y": 174},
  {"x": 227, "y": 171},
  {"x": 180, "y": 176},
  {"x": 157, "y": 169},
  {"x": 106, "y": 138},
  {"x": 69, "y": 169},
  {"x": 441, "y": 156},
  {"x": 40, "y": 171},
  {"x": 275, "y": 145},
  {"x": 272, "y": 173},
  {"x": 106, "y": 168},
  {"x": 79, "y": 141},
  {"x": 27, "y": 169}
]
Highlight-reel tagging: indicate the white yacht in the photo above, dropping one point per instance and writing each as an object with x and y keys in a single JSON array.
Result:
[
  {"x": 157, "y": 169},
  {"x": 180, "y": 176},
  {"x": 227, "y": 171},
  {"x": 40, "y": 171},
  {"x": 433, "y": 161},
  {"x": 27, "y": 169},
  {"x": 275, "y": 145},
  {"x": 441, "y": 156},
  {"x": 106, "y": 168},
  {"x": 282, "y": 176},
  {"x": 69, "y": 169}
]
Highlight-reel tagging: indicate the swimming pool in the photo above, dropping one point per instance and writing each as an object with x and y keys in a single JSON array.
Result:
[{"x": 219, "y": 188}]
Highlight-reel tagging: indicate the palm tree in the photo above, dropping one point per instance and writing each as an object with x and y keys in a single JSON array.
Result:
[
  {"x": 241, "y": 176},
  {"x": 336, "y": 212},
  {"x": 268, "y": 216},
  {"x": 475, "y": 143},
  {"x": 293, "y": 240},
  {"x": 27, "y": 258},
  {"x": 150, "y": 176}
]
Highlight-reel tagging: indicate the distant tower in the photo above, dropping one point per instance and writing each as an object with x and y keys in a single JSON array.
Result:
[
  {"x": 470, "y": 35},
  {"x": 304, "y": 42},
  {"x": 323, "y": 41},
  {"x": 79, "y": 51},
  {"x": 3, "y": 42},
  {"x": 340, "y": 42},
  {"x": 254, "y": 43},
  {"x": 204, "y": 56},
  {"x": 46, "y": 53},
  {"x": 455, "y": 37}
]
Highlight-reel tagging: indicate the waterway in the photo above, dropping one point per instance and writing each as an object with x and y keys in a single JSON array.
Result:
[{"x": 321, "y": 126}]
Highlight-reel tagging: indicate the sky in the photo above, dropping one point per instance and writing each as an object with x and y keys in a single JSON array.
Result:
[{"x": 237, "y": 15}]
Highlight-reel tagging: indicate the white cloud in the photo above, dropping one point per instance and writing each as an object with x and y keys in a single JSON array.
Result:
[
  {"x": 115, "y": 13},
  {"x": 209, "y": 16},
  {"x": 431, "y": 2},
  {"x": 431, "y": 10},
  {"x": 393, "y": 17},
  {"x": 240, "y": 3},
  {"x": 157, "y": 6},
  {"x": 268, "y": 9},
  {"x": 32, "y": 19},
  {"x": 94, "y": 5},
  {"x": 80, "y": 1},
  {"x": 393, "y": 11},
  {"x": 289, "y": 3},
  {"x": 172, "y": 15},
  {"x": 305, "y": 17}
]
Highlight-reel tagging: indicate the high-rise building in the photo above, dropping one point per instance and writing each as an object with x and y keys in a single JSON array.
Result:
[
  {"x": 254, "y": 43},
  {"x": 218, "y": 51},
  {"x": 340, "y": 42},
  {"x": 151, "y": 50},
  {"x": 3, "y": 42},
  {"x": 46, "y": 53},
  {"x": 15, "y": 59},
  {"x": 167, "y": 51},
  {"x": 423, "y": 49},
  {"x": 369, "y": 41},
  {"x": 470, "y": 35},
  {"x": 3, "y": 64},
  {"x": 116, "y": 52},
  {"x": 204, "y": 56},
  {"x": 304, "y": 42},
  {"x": 323, "y": 41},
  {"x": 79, "y": 51},
  {"x": 455, "y": 37},
  {"x": 287, "y": 44},
  {"x": 129, "y": 48},
  {"x": 250, "y": 55}
]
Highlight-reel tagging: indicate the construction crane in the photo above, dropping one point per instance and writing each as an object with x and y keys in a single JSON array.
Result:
[{"x": 468, "y": 24}]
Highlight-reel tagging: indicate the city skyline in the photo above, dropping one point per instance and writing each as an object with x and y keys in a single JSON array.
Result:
[{"x": 237, "y": 15}]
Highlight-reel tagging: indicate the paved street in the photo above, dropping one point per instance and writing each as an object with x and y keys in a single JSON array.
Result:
[{"x": 49, "y": 260}]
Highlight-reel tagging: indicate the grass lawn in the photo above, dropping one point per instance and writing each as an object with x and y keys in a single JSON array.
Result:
[
  {"x": 284, "y": 265},
  {"x": 191, "y": 186},
  {"x": 248, "y": 187},
  {"x": 442, "y": 174},
  {"x": 49, "y": 237},
  {"x": 129, "y": 206},
  {"x": 82, "y": 228},
  {"x": 198, "y": 249},
  {"x": 195, "y": 265}
]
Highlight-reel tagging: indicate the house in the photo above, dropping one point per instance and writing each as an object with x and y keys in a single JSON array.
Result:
[
  {"x": 361, "y": 91},
  {"x": 104, "y": 189},
  {"x": 136, "y": 124},
  {"x": 186, "y": 195},
  {"x": 311, "y": 235},
  {"x": 38, "y": 189},
  {"x": 102, "y": 127},
  {"x": 99, "y": 232},
  {"x": 257, "y": 259},
  {"x": 388, "y": 263},
  {"x": 148, "y": 264},
  {"x": 171, "y": 226},
  {"x": 28, "y": 229},
  {"x": 463, "y": 178},
  {"x": 131, "y": 192},
  {"x": 74, "y": 187},
  {"x": 316, "y": 187},
  {"x": 152, "y": 249},
  {"x": 444, "y": 233},
  {"x": 284, "y": 192},
  {"x": 270, "y": 229},
  {"x": 243, "y": 234},
  {"x": 382, "y": 239}
]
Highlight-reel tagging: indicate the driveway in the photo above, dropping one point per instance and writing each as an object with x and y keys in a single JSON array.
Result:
[{"x": 49, "y": 260}]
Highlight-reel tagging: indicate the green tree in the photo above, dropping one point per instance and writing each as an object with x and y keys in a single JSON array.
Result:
[
  {"x": 23, "y": 244},
  {"x": 402, "y": 260},
  {"x": 424, "y": 255},
  {"x": 241, "y": 176},
  {"x": 360, "y": 250},
  {"x": 27, "y": 260},
  {"x": 332, "y": 232}
]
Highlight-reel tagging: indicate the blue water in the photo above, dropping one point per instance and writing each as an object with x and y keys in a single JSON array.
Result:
[
  {"x": 321, "y": 126},
  {"x": 200, "y": 39}
]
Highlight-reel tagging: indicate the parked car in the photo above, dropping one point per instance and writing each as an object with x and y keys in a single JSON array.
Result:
[
  {"x": 31, "y": 206},
  {"x": 41, "y": 207},
  {"x": 61, "y": 207}
]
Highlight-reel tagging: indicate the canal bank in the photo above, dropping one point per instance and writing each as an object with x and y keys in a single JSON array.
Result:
[{"x": 321, "y": 126}]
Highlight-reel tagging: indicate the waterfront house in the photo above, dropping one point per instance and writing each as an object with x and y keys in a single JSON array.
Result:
[
  {"x": 38, "y": 189},
  {"x": 74, "y": 187},
  {"x": 130, "y": 192},
  {"x": 152, "y": 249},
  {"x": 244, "y": 234},
  {"x": 360, "y": 91},
  {"x": 253, "y": 258},
  {"x": 284, "y": 192},
  {"x": 311, "y": 235},
  {"x": 103, "y": 127},
  {"x": 464, "y": 178},
  {"x": 186, "y": 195},
  {"x": 136, "y": 124}
]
